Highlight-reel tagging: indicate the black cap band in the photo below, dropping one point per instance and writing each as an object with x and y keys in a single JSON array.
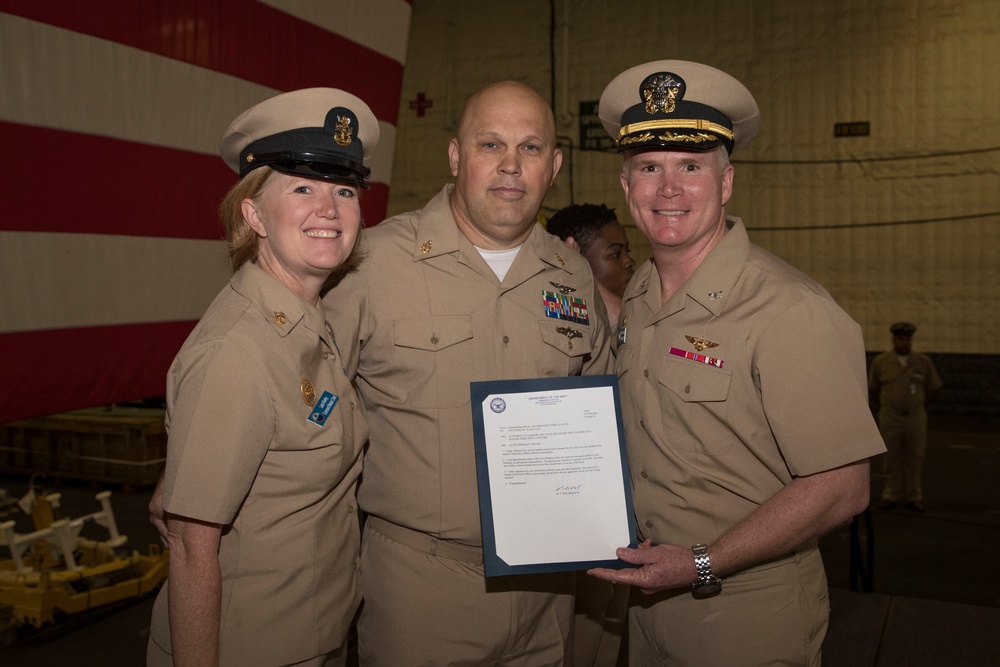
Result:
[{"x": 312, "y": 164}]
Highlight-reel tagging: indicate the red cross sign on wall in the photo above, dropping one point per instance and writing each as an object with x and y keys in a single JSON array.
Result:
[{"x": 421, "y": 104}]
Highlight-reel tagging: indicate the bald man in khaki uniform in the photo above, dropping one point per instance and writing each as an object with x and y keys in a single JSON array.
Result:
[
  {"x": 743, "y": 391},
  {"x": 448, "y": 295}
]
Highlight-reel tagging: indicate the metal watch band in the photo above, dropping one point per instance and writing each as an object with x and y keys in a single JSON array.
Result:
[{"x": 702, "y": 563}]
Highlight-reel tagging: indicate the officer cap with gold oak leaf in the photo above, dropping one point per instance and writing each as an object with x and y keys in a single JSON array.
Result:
[
  {"x": 322, "y": 133},
  {"x": 678, "y": 105}
]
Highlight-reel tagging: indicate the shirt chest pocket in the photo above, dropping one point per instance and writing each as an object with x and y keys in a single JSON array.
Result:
[
  {"x": 692, "y": 381},
  {"x": 694, "y": 402},
  {"x": 435, "y": 356},
  {"x": 564, "y": 349}
]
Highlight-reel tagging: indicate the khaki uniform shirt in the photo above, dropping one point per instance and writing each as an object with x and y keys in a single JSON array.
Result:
[
  {"x": 429, "y": 316},
  {"x": 708, "y": 443},
  {"x": 901, "y": 388},
  {"x": 242, "y": 453}
]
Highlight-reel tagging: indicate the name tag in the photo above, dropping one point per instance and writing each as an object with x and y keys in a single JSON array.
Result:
[{"x": 324, "y": 406}]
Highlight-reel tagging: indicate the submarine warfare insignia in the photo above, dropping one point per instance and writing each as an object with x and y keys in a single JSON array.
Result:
[
  {"x": 701, "y": 343},
  {"x": 308, "y": 391},
  {"x": 562, "y": 307},
  {"x": 563, "y": 289},
  {"x": 569, "y": 333}
]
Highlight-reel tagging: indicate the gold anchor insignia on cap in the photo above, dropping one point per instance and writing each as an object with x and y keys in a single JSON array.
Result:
[
  {"x": 308, "y": 391},
  {"x": 279, "y": 317},
  {"x": 660, "y": 93},
  {"x": 426, "y": 246},
  {"x": 563, "y": 289},
  {"x": 569, "y": 333},
  {"x": 250, "y": 158},
  {"x": 342, "y": 135},
  {"x": 701, "y": 343}
]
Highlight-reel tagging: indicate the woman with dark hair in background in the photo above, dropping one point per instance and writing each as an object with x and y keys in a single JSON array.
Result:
[{"x": 595, "y": 232}]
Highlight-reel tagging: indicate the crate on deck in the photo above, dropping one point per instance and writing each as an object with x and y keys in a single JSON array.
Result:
[{"x": 118, "y": 445}]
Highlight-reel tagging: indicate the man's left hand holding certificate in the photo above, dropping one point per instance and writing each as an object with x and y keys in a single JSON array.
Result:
[{"x": 554, "y": 487}]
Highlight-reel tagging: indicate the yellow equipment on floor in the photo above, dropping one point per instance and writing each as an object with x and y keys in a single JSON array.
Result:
[{"x": 53, "y": 573}]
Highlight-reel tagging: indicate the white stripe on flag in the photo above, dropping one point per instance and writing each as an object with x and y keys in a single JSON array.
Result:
[
  {"x": 77, "y": 280},
  {"x": 352, "y": 19},
  {"x": 140, "y": 97}
]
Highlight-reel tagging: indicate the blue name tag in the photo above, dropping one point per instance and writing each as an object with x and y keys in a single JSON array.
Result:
[{"x": 324, "y": 406}]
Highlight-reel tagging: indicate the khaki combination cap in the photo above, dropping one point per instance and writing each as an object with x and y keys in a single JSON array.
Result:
[
  {"x": 678, "y": 105},
  {"x": 322, "y": 133}
]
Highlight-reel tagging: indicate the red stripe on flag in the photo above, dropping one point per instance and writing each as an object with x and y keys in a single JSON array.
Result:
[
  {"x": 116, "y": 187},
  {"x": 52, "y": 371},
  {"x": 121, "y": 187},
  {"x": 248, "y": 40},
  {"x": 374, "y": 204}
]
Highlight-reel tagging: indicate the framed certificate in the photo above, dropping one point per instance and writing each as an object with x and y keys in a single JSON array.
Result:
[{"x": 554, "y": 487}]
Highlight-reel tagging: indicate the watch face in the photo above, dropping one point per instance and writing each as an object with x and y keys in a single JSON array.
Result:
[{"x": 707, "y": 590}]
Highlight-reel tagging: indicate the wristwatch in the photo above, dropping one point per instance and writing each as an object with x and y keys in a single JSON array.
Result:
[{"x": 707, "y": 584}]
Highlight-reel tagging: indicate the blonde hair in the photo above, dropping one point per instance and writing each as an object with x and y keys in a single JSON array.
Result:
[{"x": 242, "y": 239}]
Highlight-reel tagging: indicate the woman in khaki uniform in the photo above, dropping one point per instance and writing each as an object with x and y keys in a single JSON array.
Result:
[{"x": 265, "y": 430}]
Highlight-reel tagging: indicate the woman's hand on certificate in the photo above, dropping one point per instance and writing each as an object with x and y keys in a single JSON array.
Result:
[{"x": 661, "y": 567}]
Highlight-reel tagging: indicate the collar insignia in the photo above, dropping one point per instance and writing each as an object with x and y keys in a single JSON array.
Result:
[
  {"x": 425, "y": 247},
  {"x": 715, "y": 295},
  {"x": 701, "y": 343}
]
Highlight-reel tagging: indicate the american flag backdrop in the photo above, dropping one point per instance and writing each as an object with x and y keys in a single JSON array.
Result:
[{"x": 111, "y": 112}]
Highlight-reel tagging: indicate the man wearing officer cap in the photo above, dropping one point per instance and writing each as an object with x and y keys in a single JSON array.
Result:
[
  {"x": 743, "y": 391},
  {"x": 902, "y": 380},
  {"x": 257, "y": 503}
]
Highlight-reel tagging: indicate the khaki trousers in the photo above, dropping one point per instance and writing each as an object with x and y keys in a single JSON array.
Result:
[
  {"x": 774, "y": 614},
  {"x": 905, "y": 437},
  {"x": 421, "y": 609}
]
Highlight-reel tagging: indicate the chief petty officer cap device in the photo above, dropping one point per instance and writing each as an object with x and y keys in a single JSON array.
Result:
[
  {"x": 678, "y": 105},
  {"x": 322, "y": 133}
]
